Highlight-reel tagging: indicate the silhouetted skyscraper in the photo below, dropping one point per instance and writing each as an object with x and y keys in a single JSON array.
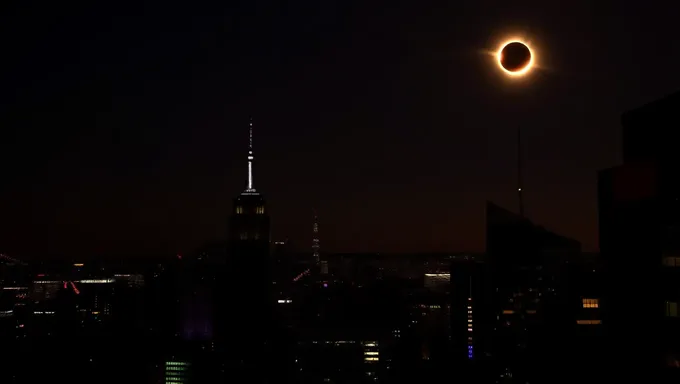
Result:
[
  {"x": 639, "y": 217},
  {"x": 315, "y": 240},
  {"x": 247, "y": 303},
  {"x": 525, "y": 260}
]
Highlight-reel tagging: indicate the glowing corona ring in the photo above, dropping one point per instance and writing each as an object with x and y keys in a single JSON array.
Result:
[{"x": 520, "y": 72}]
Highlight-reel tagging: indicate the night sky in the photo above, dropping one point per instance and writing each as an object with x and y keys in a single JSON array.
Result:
[{"x": 124, "y": 124}]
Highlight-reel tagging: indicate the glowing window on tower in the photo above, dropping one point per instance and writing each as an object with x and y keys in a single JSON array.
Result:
[
  {"x": 671, "y": 261},
  {"x": 176, "y": 372},
  {"x": 588, "y": 322},
  {"x": 260, "y": 210},
  {"x": 239, "y": 210},
  {"x": 371, "y": 352},
  {"x": 591, "y": 303},
  {"x": 470, "y": 329}
]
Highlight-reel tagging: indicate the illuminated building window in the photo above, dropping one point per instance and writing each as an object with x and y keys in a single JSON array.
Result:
[
  {"x": 671, "y": 309},
  {"x": 371, "y": 352},
  {"x": 470, "y": 341},
  {"x": 508, "y": 312},
  {"x": 176, "y": 372},
  {"x": 591, "y": 303},
  {"x": 259, "y": 210},
  {"x": 588, "y": 322},
  {"x": 671, "y": 261},
  {"x": 239, "y": 210}
]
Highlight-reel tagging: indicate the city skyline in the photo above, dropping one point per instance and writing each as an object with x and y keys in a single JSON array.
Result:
[
  {"x": 132, "y": 141},
  {"x": 339, "y": 192}
]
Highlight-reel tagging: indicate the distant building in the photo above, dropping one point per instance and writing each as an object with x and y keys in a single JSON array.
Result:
[
  {"x": 135, "y": 280},
  {"x": 281, "y": 252},
  {"x": 639, "y": 218},
  {"x": 337, "y": 361},
  {"x": 437, "y": 281},
  {"x": 249, "y": 224},
  {"x": 176, "y": 372},
  {"x": 316, "y": 245},
  {"x": 473, "y": 316}
]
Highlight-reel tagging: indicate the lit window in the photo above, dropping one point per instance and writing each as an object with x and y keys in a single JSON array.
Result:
[
  {"x": 239, "y": 210},
  {"x": 671, "y": 309},
  {"x": 259, "y": 210},
  {"x": 671, "y": 261},
  {"x": 673, "y": 361},
  {"x": 588, "y": 322},
  {"x": 591, "y": 303},
  {"x": 508, "y": 312}
]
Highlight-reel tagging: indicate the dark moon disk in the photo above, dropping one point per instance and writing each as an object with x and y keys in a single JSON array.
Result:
[{"x": 515, "y": 57}]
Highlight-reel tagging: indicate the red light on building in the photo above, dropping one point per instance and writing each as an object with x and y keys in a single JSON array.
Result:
[{"x": 634, "y": 182}]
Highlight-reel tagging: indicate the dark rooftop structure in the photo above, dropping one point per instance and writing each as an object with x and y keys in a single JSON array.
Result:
[
  {"x": 649, "y": 131},
  {"x": 511, "y": 238}
]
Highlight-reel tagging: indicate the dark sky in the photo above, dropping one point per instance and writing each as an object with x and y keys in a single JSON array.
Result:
[{"x": 124, "y": 124}]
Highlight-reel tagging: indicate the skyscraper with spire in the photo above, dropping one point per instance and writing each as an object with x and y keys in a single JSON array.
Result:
[
  {"x": 316, "y": 248},
  {"x": 247, "y": 286},
  {"x": 315, "y": 240},
  {"x": 250, "y": 220}
]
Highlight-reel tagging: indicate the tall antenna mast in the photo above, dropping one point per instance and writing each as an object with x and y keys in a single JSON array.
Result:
[
  {"x": 250, "y": 155},
  {"x": 519, "y": 171}
]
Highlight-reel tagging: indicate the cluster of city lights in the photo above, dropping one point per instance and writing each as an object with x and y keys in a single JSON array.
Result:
[{"x": 301, "y": 275}]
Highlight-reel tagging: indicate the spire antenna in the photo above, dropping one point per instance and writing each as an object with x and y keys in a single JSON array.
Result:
[
  {"x": 251, "y": 158},
  {"x": 519, "y": 171}
]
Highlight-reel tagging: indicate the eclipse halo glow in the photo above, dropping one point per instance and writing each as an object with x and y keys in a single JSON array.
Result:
[{"x": 525, "y": 69}]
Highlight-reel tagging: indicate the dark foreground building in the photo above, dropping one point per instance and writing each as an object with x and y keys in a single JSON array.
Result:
[
  {"x": 514, "y": 307},
  {"x": 639, "y": 214}
]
